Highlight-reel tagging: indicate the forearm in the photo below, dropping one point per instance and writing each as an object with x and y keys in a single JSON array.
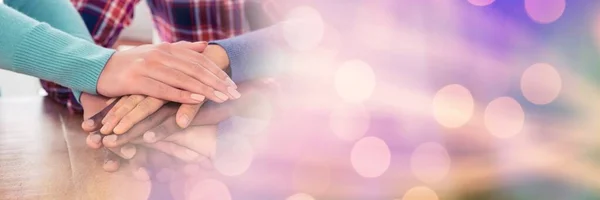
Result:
[
  {"x": 59, "y": 14},
  {"x": 37, "y": 49}
]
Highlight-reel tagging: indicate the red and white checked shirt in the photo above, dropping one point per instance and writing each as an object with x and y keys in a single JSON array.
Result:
[{"x": 174, "y": 20}]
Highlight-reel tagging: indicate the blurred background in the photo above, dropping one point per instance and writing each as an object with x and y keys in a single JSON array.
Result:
[{"x": 419, "y": 100}]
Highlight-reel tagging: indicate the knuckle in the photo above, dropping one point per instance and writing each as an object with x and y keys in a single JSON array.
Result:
[
  {"x": 182, "y": 94},
  {"x": 128, "y": 119}
]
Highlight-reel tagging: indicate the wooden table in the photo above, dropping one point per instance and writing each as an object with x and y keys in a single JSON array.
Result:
[{"x": 43, "y": 156}]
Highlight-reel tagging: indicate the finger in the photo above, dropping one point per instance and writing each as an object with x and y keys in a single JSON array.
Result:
[
  {"x": 160, "y": 132},
  {"x": 127, "y": 151},
  {"x": 112, "y": 162},
  {"x": 119, "y": 103},
  {"x": 166, "y": 112},
  {"x": 95, "y": 122},
  {"x": 139, "y": 164},
  {"x": 187, "y": 112},
  {"x": 189, "y": 53},
  {"x": 182, "y": 153},
  {"x": 178, "y": 79},
  {"x": 183, "y": 63},
  {"x": 142, "y": 110},
  {"x": 161, "y": 90},
  {"x": 194, "y": 46},
  {"x": 94, "y": 140},
  {"x": 111, "y": 120}
]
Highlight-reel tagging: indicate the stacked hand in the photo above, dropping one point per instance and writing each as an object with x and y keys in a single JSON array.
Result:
[
  {"x": 158, "y": 139},
  {"x": 174, "y": 72}
]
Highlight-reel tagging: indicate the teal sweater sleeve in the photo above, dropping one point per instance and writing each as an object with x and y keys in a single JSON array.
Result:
[
  {"x": 59, "y": 14},
  {"x": 35, "y": 48}
]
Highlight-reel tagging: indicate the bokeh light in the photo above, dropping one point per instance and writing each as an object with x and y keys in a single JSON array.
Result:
[
  {"x": 453, "y": 106},
  {"x": 370, "y": 157},
  {"x": 430, "y": 162},
  {"x": 304, "y": 28},
  {"x": 545, "y": 11},
  {"x": 300, "y": 196},
  {"x": 504, "y": 117},
  {"x": 354, "y": 81},
  {"x": 234, "y": 155},
  {"x": 481, "y": 2},
  {"x": 420, "y": 193},
  {"x": 209, "y": 189},
  {"x": 311, "y": 175},
  {"x": 541, "y": 83},
  {"x": 349, "y": 122}
]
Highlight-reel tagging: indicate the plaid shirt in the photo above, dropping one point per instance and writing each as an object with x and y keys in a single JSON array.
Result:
[{"x": 174, "y": 20}]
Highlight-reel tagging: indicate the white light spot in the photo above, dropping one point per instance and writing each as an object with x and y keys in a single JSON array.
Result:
[
  {"x": 354, "y": 81},
  {"x": 453, "y": 106},
  {"x": 304, "y": 28},
  {"x": 234, "y": 155},
  {"x": 541, "y": 83},
  {"x": 370, "y": 157},
  {"x": 430, "y": 162},
  {"x": 504, "y": 117}
]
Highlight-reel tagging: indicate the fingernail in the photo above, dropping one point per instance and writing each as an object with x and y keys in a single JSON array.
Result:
[
  {"x": 128, "y": 151},
  {"x": 141, "y": 174},
  {"x": 234, "y": 92},
  {"x": 110, "y": 140},
  {"x": 88, "y": 123},
  {"x": 164, "y": 175},
  {"x": 96, "y": 139},
  {"x": 109, "y": 162},
  {"x": 105, "y": 130},
  {"x": 198, "y": 97},
  {"x": 231, "y": 83},
  {"x": 185, "y": 120},
  {"x": 221, "y": 96},
  {"x": 150, "y": 137}
]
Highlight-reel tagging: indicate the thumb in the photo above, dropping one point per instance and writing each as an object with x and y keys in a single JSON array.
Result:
[{"x": 194, "y": 46}]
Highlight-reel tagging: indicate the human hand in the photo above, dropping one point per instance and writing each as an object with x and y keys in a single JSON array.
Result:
[
  {"x": 160, "y": 70},
  {"x": 210, "y": 115}
]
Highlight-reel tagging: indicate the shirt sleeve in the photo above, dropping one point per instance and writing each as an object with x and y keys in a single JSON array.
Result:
[
  {"x": 256, "y": 54},
  {"x": 38, "y": 49},
  {"x": 106, "y": 19}
]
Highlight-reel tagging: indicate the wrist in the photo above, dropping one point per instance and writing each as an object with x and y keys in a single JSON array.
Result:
[{"x": 218, "y": 55}]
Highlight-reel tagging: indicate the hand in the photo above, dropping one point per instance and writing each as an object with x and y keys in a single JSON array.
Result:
[
  {"x": 162, "y": 122},
  {"x": 131, "y": 110},
  {"x": 160, "y": 70}
]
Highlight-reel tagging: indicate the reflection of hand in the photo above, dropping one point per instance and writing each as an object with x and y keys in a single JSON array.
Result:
[
  {"x": 182, "y": 153},
  {"x": 159, "y": 70}
]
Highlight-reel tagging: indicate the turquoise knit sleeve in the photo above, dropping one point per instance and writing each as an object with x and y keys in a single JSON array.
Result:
[
  {"x": 59, "y": 14},
  {"x": 35, "y": 48}
]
